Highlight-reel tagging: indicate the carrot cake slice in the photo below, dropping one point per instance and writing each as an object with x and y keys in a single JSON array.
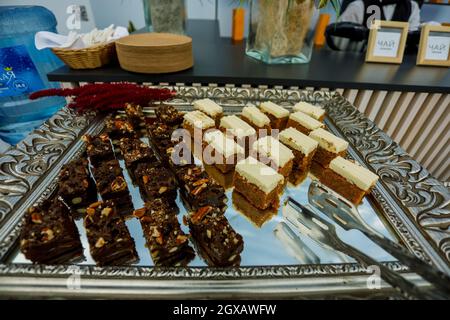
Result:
[
  {"x": 257, "y": 119},
  {"x": 303, "y": 148},
  {"x": 196, "y": 120},
  {"x": 303, "y": 123},
  {"x": 349, "y": 179},
  {"x": 278, "y": 115},
  {"x": 258, "y": 183},
  {"x": 329, "y": 148},
  {"x": 221, "y": 150},
  {"x": 210, "y": 108},
  {"x": 240, "y": 130},
  {"x": 273, "y": 153},
  {"x": 313, "y": 111}
]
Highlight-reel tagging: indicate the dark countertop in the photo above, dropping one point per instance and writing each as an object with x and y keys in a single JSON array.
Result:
[{"x": 218, "y": 60}]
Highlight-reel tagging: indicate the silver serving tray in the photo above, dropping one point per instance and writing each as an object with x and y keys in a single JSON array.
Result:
[{"x": 407, "y": 205}]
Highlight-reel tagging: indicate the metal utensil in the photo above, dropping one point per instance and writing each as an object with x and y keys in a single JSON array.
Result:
[
  {"x": 347, "y": 216},
  {"x": 300, "y": 250},
  {"x": 321, "y": 230}
]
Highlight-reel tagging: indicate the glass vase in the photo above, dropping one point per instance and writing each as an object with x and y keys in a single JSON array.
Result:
[
  {"x": 282, "y": 31},
  {"x": 165, "y": 16}
]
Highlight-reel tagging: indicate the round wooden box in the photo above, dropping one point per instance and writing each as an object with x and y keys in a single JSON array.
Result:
[{"x": 155, "y": 52}]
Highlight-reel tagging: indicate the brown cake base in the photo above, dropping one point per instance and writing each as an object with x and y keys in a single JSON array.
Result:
[
  {"x": 257, "y": 216},
  {"x": 256, "y": 196},
  {"x": 324, "y": 157},
  {"x": 338, "y": 183},
  {"x": 277, "y": 123},
  {"x": 260, "y": 131},
  {"x": 300, "y": 167},
  {"x": 285, "y": 170},
  {"x": 224, "y": 179},
  {"x": 191, "y": 131},
  {"x": 244, "y": 142},
  {"x": 298, "y": 126}
]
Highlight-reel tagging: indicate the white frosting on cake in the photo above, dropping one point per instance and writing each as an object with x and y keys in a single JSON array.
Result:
[
  {"x": 329, "y": 141},
  {"x": 305, "y": 120},
  {"x": 199, "y": 120},
  {"x": 271, "y": 148},
  {"x": 208, "y": 107},
  {"x": 274, "y": 109},
  {"x": 309, "y": 109},
  {"x": 256, "y": 116},
  {"x": 257, "y": 173},
  {"x": 363, "y": 178},
  {"x": 221, "y": 143},
  {"x": 237, "y": 126},
  {"x": 298, "y": 141}
]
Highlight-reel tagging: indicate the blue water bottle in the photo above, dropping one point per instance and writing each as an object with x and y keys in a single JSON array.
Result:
[{"x": 23, "y": 70}]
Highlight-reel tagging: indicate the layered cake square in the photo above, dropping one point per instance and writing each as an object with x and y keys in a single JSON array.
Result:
[
  {"x": 303, "y": 123},
  {"x": 210, "y": 108},
  {"x": 259, "y": 184},
  {"x": 303, "y": 148},
  {"x": 257, "y": 119},
  {"x": 271, "y": 152},
  {"x": 349, "y": 179},
  {"x": 222, "y": 151},
  {"x": 329, "y": 147},
  {"x": 313, "y": 111},
  {"x": 278, "y": 115},
  {"x": 197, "y": 121}
]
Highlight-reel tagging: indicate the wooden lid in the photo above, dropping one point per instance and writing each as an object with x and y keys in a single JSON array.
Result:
[{"x": 155, "y": 52}]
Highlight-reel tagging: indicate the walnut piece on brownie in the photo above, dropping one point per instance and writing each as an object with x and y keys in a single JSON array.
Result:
[
  {"x": 329, "y": 147},
  {"x": 169, "y": 115},
  {"x": 313, "y": 111},
  {"x": 98, "y": 148},
  {"x": 259, "y": 184},
  {"x": 270, "y": 151},
  {"x": 221, "y": 151},
  {"x": 197, "y": 121},
  {"x": 348, "y": 178},
  {"x": 303, "y": 123},
  {"x": 210, "y": 108},
  {"x": 278, "y": 115},
  {"x": 303, "y": 148},
  {"x": 257, "y": 119}
]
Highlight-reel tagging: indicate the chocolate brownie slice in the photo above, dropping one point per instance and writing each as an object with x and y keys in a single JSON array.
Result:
[
  {"x": 98, "y": 148},
  {"x": 169, "y": 115},
  {"x": 135, "y": 151},
  {"x": 49, "y": 234},
  {"x": 156, "y": 181},
  {"x": 109, "y": 240}
]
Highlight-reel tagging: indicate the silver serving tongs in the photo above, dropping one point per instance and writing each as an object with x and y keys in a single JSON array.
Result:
[
  {"x": 344, "y": 213},
  {"x": 321, "y": 230}
]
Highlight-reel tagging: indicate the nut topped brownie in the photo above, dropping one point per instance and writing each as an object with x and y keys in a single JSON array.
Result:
[
  {"x": 303, "y": 123},
  {"x": 329, "y": 147},
  {"x": 135, "y": 115},
  {"x": 257, "y": 119},
  {"x": 303, "y": 148},
  {"x": 348, "y": 178},
  {"x": 273, "y": 153},
  {"x": 277, "y": 114},
  {"x": 75, "y": 185},
  {"x": 259, "y": 184},
  {"x": 210, "y": 108},
  {"x": 98, "y": 148},
  {"x": 313, "y": 111},
  {"x": 109, "y": 240},
  {"x": 215, "y": 239},
  {"x": 168, "y": 244},
  {"x": 161, "y": 137},
  {"x": 49, "y": 234},
  {"x": 111, "y": 185},
  {"x": 117, "y": 127},
  {"x": 135, "y": 151},
  {"x": 169, "y": 115},
  {"x": 156, "y": 181}
]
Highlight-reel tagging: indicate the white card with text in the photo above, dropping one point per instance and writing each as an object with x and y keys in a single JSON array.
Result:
[
  {"x": 437, "y": 48},
  {"x": 386, "y": 44}
]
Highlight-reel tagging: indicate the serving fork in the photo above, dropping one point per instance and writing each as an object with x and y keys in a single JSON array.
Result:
[
  {"x": 320, "y": 230},
  {"x": 345, "y": 214}
]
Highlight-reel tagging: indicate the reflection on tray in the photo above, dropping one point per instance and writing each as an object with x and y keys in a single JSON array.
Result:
[{"x": 257, "y": 216}]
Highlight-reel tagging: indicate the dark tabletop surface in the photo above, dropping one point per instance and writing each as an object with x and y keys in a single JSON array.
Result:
[{"x": 218, "y": 60}]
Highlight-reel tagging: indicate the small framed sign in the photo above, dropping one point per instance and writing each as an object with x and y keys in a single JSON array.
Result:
[
  {"x": 387, "y": 41},
  {"x": 434, "y": 46}
]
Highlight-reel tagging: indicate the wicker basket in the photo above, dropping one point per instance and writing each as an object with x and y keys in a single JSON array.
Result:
[{"x": 87, "y": 58}]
